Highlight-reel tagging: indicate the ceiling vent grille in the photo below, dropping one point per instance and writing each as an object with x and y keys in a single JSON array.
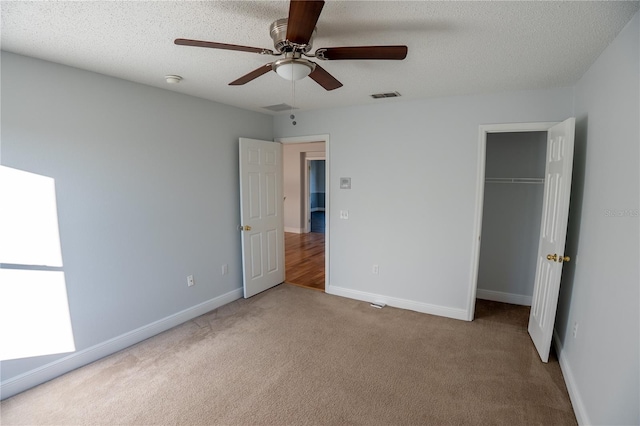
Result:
[
  {"x": 385, "y": 95},
  {"x": 279, "y": 107}
]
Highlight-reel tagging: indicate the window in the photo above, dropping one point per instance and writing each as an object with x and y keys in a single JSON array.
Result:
[{"x": 34, "y": 310}]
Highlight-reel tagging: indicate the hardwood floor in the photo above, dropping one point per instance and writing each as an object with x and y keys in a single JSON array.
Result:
[{"x": 304, "y": 259}]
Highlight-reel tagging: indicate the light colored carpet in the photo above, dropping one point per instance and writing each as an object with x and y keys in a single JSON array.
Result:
[{"x": 297, "y": 356}]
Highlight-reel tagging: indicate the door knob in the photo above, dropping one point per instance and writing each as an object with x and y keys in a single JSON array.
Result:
[
  {"x": 564, "y": 259},
  {"x": 246, "y": 228},
  {"x": 553, "y": 257}
]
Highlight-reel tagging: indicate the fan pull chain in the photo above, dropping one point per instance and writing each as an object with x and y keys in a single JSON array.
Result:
[{"x": 293, "y": 102}]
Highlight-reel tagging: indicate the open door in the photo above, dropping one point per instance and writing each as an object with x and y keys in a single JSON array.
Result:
[
  {"x": 261, "y": 214},
  {"x": 553, "y": 232}
]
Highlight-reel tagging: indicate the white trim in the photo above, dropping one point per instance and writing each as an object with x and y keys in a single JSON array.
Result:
[
  {"x": 78, "y": 359},
  {"x": 518, "y": 127},
  {"x": 425, "y": 308},
  {"x": 579, "y": 408},
  {"x": 304, "y": 139},
  {"x": 499, "y": 296},
  {"x": 294, "y": 230},
  {"x": 477, "y": 227},
  {"x": 327, "y": 204}
]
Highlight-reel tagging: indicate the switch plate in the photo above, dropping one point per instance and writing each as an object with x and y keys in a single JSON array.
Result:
[
  {"x": 190, "y": 282},
  {"x": 225, "y": 269},
  {"x": 575, "y": 329},
  {"x": 344, "y": 214}
]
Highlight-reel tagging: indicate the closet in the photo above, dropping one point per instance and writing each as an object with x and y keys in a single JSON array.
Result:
[{"x": 512, "y": 211}]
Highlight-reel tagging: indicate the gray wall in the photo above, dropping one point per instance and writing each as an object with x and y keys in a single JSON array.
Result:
[
  {"x": 147, "y": 191},
  {"x": 511, "y": 214},
  {"x": 420, "y": 197},
  {"x": 600, "y": 288}
]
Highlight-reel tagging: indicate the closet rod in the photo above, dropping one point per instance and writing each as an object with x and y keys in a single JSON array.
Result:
[{"x": 514, "y": 180}]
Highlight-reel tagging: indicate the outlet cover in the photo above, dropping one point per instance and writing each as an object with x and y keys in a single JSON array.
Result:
[{"x": 190, "y": 282}]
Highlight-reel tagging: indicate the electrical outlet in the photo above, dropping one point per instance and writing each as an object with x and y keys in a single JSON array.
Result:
[
  {"x": 375, "y": 269},
  {"x": 575, "y": 329},
  {"x": 225, "y": 269},
  {"x": 190, "y": 282}
]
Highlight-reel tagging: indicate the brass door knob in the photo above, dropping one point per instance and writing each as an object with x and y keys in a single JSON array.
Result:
[
  {"x": 564, "y": 259},
  {"x": 553, "y": 257},
  {"x": 246, "y": 228}
]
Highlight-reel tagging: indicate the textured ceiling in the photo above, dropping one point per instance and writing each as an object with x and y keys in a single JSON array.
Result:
[{"x": 454, "y": 47}]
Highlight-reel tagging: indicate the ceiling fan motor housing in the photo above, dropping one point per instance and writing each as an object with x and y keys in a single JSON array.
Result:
[{"x": 278, "y": 31}]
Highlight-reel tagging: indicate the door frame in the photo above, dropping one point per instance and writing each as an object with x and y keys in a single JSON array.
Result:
[
  {"x": 483, "y": 131},
  {"x": 308, "y": 158},
  {"x": 326, "y": 139}
]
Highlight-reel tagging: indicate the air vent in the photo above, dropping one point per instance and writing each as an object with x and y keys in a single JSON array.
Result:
[
  {"x": 279, "y": 107},
  {"x": 385, "y": 95}
]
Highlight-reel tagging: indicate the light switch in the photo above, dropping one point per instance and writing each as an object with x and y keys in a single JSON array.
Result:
[{"x": 344, "y": 214}]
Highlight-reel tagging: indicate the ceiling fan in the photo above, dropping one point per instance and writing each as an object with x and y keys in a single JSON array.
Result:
[{"x": 293, "y": 37}]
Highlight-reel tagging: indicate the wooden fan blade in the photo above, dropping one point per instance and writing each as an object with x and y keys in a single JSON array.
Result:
[
  {"x": 362, "y": 52},
  {"x": 252, "y": 75},
  {"x": 214, "y": 45},
  {"x": 324, "y": 79},
  {"x": 303, "y": 16}
]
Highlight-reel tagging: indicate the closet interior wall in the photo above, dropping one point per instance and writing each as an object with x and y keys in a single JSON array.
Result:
[{"x": 512, "y": 212}]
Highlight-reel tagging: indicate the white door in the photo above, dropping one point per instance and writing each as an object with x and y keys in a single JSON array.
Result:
[
  {"x": 261, "y": 215},
  {"x": 553, "y": 232}
]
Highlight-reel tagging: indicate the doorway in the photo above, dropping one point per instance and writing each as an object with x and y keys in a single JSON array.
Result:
[
  {"x": 558, "y": 157},
  {"x": 511, "y": 218},
  {"x": 306, "y": 211},
  {"x": 504, "y": 167}
]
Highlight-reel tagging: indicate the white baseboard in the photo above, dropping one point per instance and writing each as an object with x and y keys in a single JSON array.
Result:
[
  {"x": 294, "y": 230},
  {"x": 78, "y": 359},
  {"x": 498, "y": 296},
  {"x": 425, "y": 308},
  {"x": 578, "y": 405}
]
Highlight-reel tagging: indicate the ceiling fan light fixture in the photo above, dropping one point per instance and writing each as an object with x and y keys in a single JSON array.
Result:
[{"x": 293, "y": 69}]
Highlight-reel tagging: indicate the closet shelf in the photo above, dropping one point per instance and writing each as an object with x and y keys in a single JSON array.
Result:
[{"x": 514, "y": 180}]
